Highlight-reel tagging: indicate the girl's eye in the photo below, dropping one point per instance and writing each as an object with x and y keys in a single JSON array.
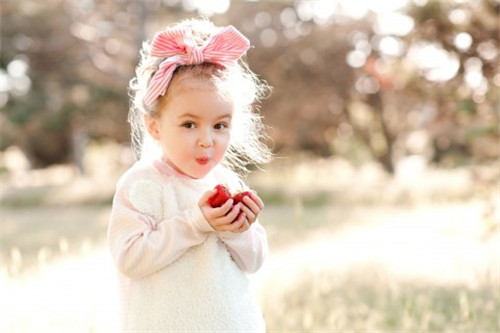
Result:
[
  {"x": 221, "y": 126},
  {"x": 188, "y": 124}
]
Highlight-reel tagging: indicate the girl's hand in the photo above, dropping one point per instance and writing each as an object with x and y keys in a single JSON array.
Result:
[
  {"x": 252, "y": 207},
  {"x": 228, "y": 218},
  {"x": 221, "y": 218},
  {"x": 250, "y": 210}
]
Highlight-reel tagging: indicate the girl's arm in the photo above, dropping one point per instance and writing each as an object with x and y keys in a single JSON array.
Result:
[
  {"x": 238, "y": 228},
  {"x": 246, "y": 242},
  {"x": 142, "y": 245},
  {"x": 249, "y": 248}
]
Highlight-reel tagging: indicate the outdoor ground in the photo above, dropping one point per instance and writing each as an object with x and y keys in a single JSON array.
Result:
[{"x": 352, "y": 249}]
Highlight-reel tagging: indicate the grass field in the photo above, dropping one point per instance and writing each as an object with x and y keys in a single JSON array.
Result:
[
  {"x": 381, "y": 256},
  {"x": 418, "y": 270}
]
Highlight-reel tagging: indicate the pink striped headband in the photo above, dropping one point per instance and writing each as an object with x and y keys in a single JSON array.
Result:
[{"x": 179, "y": 47}]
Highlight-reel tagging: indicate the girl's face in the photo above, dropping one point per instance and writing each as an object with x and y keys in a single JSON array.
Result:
[{"x": 193, "y": 129}]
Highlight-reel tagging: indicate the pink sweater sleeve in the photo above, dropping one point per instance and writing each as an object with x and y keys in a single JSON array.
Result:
[
  {"x": 248, "y": 249},
  {"x": 141, "y": 246}
]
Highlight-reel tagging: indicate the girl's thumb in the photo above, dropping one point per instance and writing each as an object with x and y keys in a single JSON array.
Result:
[{"x": 207, "y": 195}]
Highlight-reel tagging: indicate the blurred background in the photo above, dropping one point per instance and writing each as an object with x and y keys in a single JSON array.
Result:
[{"x": 382, "y": 202}]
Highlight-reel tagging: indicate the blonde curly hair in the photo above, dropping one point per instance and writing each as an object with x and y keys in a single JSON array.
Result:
[{"x": 237, "y": 83}]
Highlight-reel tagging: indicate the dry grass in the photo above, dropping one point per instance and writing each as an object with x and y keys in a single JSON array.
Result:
[
  {"x": 366, "y": 300},
  {"x": 426, "y": 269}
]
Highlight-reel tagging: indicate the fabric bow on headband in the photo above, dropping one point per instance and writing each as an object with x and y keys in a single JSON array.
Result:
[{"x": 179, "y": 47}]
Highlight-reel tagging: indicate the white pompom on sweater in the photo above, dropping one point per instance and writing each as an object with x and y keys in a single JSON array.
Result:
[{"x": 177, "y": 274}]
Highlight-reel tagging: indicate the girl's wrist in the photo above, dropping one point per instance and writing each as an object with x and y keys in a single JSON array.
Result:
[
  {"x": 231, "y": 234},
  {"x": 200, "y": 221}
]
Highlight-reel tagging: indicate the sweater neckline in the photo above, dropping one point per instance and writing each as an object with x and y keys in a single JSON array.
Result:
[{"x": 167, "y": 169}]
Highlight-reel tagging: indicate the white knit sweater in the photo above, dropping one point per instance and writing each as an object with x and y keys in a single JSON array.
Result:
[{"x": 177, "y": 274}]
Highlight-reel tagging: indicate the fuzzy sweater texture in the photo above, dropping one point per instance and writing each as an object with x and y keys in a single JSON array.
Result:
[{"x": 177, "y": 274}]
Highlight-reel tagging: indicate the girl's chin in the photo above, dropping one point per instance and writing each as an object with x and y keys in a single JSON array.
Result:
[{"x": 200, "y": 172}]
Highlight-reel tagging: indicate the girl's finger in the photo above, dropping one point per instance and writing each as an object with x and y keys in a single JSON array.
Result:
[
  {"x": 250, "y": 203},
  {"x": 226, "y": 207},
  {"x": 204, "y": 198},
  {"x": 233, "y": 213},
  {"x": 218, "y": 215},
  {"x": 224, "y": 224},
  {"x": 257, "y": 200},
  {"x": 245, "y": 226},
  {"x": 238, "y": 222},
  {"x": 249, "y": 213}
]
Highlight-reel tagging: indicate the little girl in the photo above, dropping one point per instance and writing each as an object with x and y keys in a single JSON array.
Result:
[{"x": 182, "y": 264}]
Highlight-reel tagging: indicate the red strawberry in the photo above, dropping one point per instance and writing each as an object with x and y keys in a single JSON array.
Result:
[
  {"x": 219, "y": 198},
  {"x": 239, "y": 196}
]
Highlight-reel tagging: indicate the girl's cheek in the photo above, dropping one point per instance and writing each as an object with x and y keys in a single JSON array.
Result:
[{"x": 223, "y": 138}]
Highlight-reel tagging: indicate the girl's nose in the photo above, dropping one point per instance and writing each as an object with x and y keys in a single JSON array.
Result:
[{"x": 206, "y": 140}]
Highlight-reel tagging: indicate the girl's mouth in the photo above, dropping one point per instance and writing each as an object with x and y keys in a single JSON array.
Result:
[{"x": 202, "y": 160}]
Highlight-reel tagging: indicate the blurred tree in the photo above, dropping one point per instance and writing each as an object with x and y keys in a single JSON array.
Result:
[
  {"x": 429, "y": 80},
  {"x": 65, "y": 69},
  {"x": 66, "y": 93},
  {"x": 360, "y": 81},
  {"x": 310, "y": 79},
  {"x": 419, "y": 80}
]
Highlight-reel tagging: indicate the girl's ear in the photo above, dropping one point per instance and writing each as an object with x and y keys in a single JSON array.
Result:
[{"x": 152, "y": 126}]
